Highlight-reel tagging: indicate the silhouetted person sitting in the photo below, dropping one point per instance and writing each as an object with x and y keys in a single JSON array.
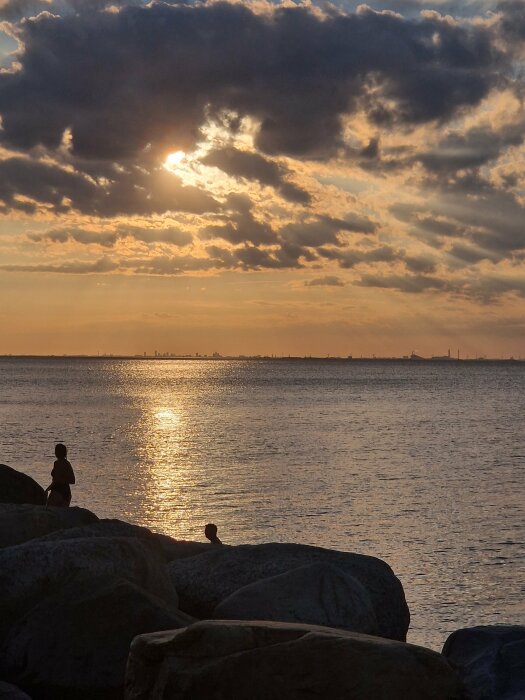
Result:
[
  {"x": 211, "y": 533},
  {"x": 63, "y": 475}
]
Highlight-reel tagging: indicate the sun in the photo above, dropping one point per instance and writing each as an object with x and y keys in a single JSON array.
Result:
[{"x": 174, "y": 159}]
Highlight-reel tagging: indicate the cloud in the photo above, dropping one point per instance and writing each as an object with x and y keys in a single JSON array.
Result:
[
  {"x": 349, "y": 258},
  {"x": 327, "y": 281},
  {"x": 170, "y": 235},
  {"x": 130, "y": 191},
  {"x": 242, "y": 226},
  {"x": 411, "y": 284},
  {"x": 472, "y": 148},
  {"x": 325, "y": 230},
  {"x": 253, "y": 166},
  {"x": 71, "y": 268},
  {"x": 148, "y": 77}
]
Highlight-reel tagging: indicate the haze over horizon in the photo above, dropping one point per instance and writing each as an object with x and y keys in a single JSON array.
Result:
[{"x": 262, "y": 178}]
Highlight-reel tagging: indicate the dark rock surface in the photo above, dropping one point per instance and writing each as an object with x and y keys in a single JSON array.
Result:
[
  {"x": 490, "y": 661},
  {"x": 17, "y": 487},
  {"x": 279, "y": 661},
  {"x": 170, "y": 547},
  {"x": 34, "y": 570},
  {"x": 318, "y": 594},
  {"x": 74, "y": 645},
  {"x": 11, "y": 692},
  {"x": 21, "y": 523},
  {"x": 204, "y": 581}
]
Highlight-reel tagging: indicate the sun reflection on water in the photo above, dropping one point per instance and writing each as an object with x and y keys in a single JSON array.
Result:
[{"x": 172, "y": 439}]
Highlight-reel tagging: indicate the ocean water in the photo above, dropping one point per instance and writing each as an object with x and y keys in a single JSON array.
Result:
[{"x": 420, "y": 464}]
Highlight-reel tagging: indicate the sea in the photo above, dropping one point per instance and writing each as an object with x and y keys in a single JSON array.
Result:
[{"x": 418, "y": 463}]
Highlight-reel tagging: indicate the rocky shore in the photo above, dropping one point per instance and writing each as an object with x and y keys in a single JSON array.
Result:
[{"x": 103, "y": 609}]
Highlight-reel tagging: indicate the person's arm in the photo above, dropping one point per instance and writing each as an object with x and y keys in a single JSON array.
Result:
[{"x": 71, "y": 474}]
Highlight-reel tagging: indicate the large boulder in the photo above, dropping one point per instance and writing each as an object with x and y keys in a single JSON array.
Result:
[
  {"x": 17, "y": 487},
  {"x": 11, "y": 692},
  {"x": 170, "y": 547},
  {"x": 318, "y": 594},
  {"x": 490, "y": 661},
  {"x": 204, "y": 581},
  {"x": 21, "y": 523},
  {"x": 275, "y": 660},
  {"x": 74, "y": 645},
  {"x": 32, "y": 571}
]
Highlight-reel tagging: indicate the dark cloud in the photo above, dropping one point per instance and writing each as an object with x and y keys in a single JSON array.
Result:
[
  {"x": 420, "y": 263},
  {"x": 411, "y": 284},
  {"x": 253, "y": 166},
  {"x": 325, "y": 230},
  {"x": 170, "y": 235},
  {"x": 327, "y": 281},
  {"x": 349, "y": 258},
  {"x": 312, "y": 234},
  {"x": 147, "y": 77},
  {"x": 130, "y": 191},
  {"x": 108, "y": 239},
  {"x": 79, "y": 235},
  {"x": 512, "y": 20},
  {"x": 471, "y": 255},
  {"x": 353, "y": 223},
  {"x": 471, "y": 149},
  {"x": 73, "y": 267},
  {"x": 242, "y": 225}
]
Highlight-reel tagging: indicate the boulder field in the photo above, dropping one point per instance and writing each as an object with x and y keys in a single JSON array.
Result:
[
  {"x": 281, "y": 661},
  {"x": 269, "y": 621},
  {"x": 206, "y": 581}
]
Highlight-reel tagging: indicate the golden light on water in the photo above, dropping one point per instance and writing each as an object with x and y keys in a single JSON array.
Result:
[{"x": 166, "y": 417}]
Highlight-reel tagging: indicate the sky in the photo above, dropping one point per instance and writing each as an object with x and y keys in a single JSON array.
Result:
[{"x": 262, "y": 178}]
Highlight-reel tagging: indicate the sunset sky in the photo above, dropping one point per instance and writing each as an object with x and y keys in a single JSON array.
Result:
[{"x": 332, "y": 178}]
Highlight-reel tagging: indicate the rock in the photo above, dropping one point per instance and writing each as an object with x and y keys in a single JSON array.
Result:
[
  {"x": 277, "y": 661},
  {"x": 490, "y": 661},
  {"x": 170, "y": 547},
  {"x": 318, "y": 594},
  {"x": 11, "y": 692},
  {"x": 21, "y": 523},
  {"x": 203, "y": 582},
  {"x": 182, "y": 549},
  {"x": 17, "y": 487},
  {"x": 32, "y": 571},
  {"x": 75, "y": 644}
]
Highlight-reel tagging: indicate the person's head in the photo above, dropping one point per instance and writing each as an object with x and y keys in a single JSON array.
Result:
[
  {"x": 210, "y": 531},
  {"x": 60, "y": 451}
]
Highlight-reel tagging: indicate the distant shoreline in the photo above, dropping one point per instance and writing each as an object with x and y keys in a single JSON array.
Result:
[{"x": 266, "y": 358}]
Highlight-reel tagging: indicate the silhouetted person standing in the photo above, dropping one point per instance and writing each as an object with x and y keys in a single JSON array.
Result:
[
  {"x": 211, "y": 533},
  {"x": 62, "y": 475}
]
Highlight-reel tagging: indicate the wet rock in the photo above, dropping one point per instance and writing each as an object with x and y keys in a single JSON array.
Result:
[
  {"x": 490, "y": 661},
  {"x": 277, "y": 661},
  {"x": 74, "y": 645},
  {"x": 171, "y": 548},
  {"x": 32, "y": 571},
  {"x": 204, "y": 581},
  {"x": 11, "y": 692},
  {"x": 21, "y": 523},
  {"x": 17, "y": 487},
  {"x": 318, "y": 594}
]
